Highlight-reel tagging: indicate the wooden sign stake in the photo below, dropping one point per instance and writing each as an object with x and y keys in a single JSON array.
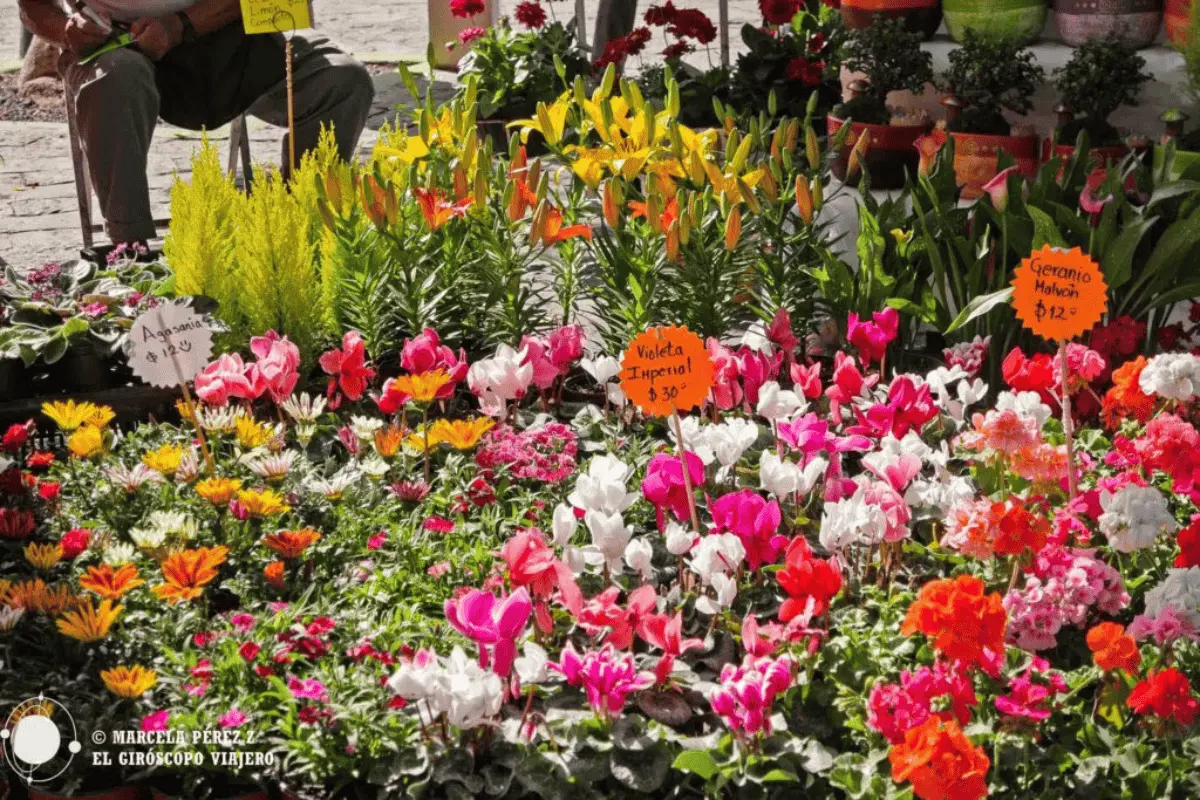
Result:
[
  {"x": 1067, "y": 423},
  {"x": 291, "y": 106},
  {"x": 187, "y": 398},
  {"x": 687, "y": 473}
]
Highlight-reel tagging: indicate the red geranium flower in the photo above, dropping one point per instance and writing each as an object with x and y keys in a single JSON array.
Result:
[
  {"x": 1167, "y": 694},
  {"x": 463, "y": 9},
  {"x": 779, "y": 12},
  {"x": 1189, "y": 545},
  {"x": 530, "y": 14}
]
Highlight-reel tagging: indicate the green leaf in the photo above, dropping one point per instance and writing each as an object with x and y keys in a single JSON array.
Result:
[
  {"x": 1044, "y": 229},
  {"x": 697, "y": 762},
  {"x": 979, "y": 306},
  {"x": 1118, "y": 259}
]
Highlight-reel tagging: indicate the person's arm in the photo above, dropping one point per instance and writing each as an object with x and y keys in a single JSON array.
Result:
[
  {"x": 154, "y": 36},
  {"x": 75, "y": 33}
]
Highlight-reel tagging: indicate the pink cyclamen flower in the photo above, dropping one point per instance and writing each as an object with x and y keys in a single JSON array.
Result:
[
  {"x": 848, "y": 384},
  {"x": 606, "y": 676},
  {"x": 233, "y": 718},
  {"x": 747, "y": 694},
  {"x": 754, "y": 520},
  {"x": 308, "y": 689},
  {"x": 602, "y": 613},
  {"x": 666, "y": 633},
  {"x": 565, "y": 347},
  {"x": 277, "y": 369},
  {"x": 780, "y": 333},
  {"x": 537, "y": 357},
  {"x": 872, "y": 338},
  {"x": 494, "y": 625},
  {"x": 532, "y": 563},
  {"x": 807, "y": 379},
  {"x": 347, "y": 368},
  {"x": 755, "y": 369},
  {"x": 426, "y": 352},
  {"x": 726, "y": 391},
  {"x": 223, "y": 379},
  {"x": 664, "y": 485},
  {"x": 156, "y": 721}
]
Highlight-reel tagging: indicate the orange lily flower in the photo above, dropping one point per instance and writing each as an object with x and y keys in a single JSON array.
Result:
[
  {"x": 554, "y": 232},
  {"x": 667, "y": 216},
  {"x": 109, "y": 583},
  {"x": 436, "y": 210},
  {"x": 187, "y": 572}
]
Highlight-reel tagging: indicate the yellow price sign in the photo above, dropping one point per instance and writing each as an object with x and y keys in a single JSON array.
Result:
[{"x": 276, "y": 16}]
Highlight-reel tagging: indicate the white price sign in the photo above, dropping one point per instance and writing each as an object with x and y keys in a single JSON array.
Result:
[{"x": 169, "y": 345}]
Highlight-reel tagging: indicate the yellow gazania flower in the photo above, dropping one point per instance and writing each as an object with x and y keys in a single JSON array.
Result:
[
  {"x": 43, "y": 556},
  {"x": 422, "y": 388},
  {"x": 388, "y": 440},
  {"x": 419, "y": 444},
  {"x": 251, "y": 433},
  {"x": 5, "y": 593},
  {"x": 263, "y": 503},
  {"x": 88, "y": 623},
  {"x": 165, "y": 460},
  {"x": 69, "y": 415},
  {"x": 461, "y": 434},
  {"x": 31, "y": 708},
  {"x": 86, "y": 442},
  {"x": 129, "y": 681},
  {"x": 218, "y": 491}
]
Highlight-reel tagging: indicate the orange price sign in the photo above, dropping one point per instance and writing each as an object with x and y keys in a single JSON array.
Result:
[
  {"x": 665, "y": 370},
  {"x": 1059, "y": 294}
]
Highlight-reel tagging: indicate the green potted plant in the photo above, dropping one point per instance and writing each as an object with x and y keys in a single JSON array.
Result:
[
  {"x": 923, "y": 16},
  {"x": 516, "y": 70},
  {"x": 986, "y": 76},
  {"x": 892, "y": 59},
  {"x": 1018, "y": 20},
  {"x": 1101, "y": 76},
  {"x": 1135, "y": 22},
  {"x": 793, "y": 61}
]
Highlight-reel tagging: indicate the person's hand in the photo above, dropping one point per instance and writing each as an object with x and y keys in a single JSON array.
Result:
[
  {"x": 154, "y": 36},
  {"x": 82, "y": 35}
]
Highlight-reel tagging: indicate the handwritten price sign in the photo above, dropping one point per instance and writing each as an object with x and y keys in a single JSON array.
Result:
[
  {"x": 1059, "y": 294},
  {"x": 666, "y": 370},
  {"x": 169, "y": 345},
  {"x": 276, "y": 16}
]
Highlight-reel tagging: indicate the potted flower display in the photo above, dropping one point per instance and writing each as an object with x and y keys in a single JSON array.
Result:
[
  {"x": 1185, "y": 158},
  {"x": 924, "y": 16},
  {"x": 986, "y": 76},
  {"x": 891, "y": 58},
  {"x": 1019, "y": 20},
  {"x": 516, "y": 70},
  {"x": 1102, "y": 76},
  {"x": 793, "y": 60},
  {"x": 1135, "y": 22},
  {"x": 1177, "y": 16}
]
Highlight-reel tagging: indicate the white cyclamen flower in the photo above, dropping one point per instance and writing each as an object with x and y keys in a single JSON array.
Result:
[
  {"x": 474, "y": 695},
  {"x": 530, "y": 666},
  {"x": 610, "y": 535},
  {"x": 695, "y": 438},
  {"x": 501, "y": 377},
  {"x": 731, "y": 439},
  {"x": 1175, "y": 376},
  {"x": 775, "y": 403},
  {"x": 852, "y": 521},
  {"x": 1181, "y": 590},
  {"x": 725, "y": 588},
  {"x": 777, "y": 475},
  {"x": 602, "y": 488},
  {"x": 1134, "y": 517},
  {"x": 679, "y": 539},
  {"x": 639, "y": 558},
  {"x": 564, "y": 524},
  {"x": 717, "y": 554}
]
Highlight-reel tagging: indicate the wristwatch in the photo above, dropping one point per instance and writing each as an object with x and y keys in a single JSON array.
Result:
[{"x": 188, "y": 33}]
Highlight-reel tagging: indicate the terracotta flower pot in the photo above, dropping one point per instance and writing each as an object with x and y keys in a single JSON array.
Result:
[
  {"x": 1021, "y": 20},
  {"x": 891, "y": 156},
  {"x": 976, "y": 159},
  {"x": 1097, "y": 156},
  {"x": 918, "y": 15},
  {"x": 1135, "y": 22},
  {"x": 1176, "y": 13}
]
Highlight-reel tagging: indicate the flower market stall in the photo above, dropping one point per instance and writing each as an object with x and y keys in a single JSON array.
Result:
[{"x": 563, "y": 448}]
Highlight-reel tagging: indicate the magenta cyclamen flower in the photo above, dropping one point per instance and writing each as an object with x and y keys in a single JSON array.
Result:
[
  {"x": 664, "y": 487},
  {"x": 872, "y": 338},
  {"x": 308, "y": 689},
  {"x": 606, "y": 677},
  {"x": 426, "y": 352},
  {"x": 494, "y": 625},
  {"x": 753, "y": 520},
  {"x": 748, "y": 692}
]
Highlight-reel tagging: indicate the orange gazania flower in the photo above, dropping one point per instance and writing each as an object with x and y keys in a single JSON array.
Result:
[
  {"x": 129, "y": 681},
  {"x": 422, "y": 387},
  {"x": 273, "y": 575},
  {"x": 940, "y": 762},
  {"x": 36, "y": 596},
  {"x": 263, "y": 503},
  {"x": 436, "y": 210},
  {"x": 187, "y": 572},
  {"x": 89, "y": 623},
  {"x": 1113, "y": 649},
  {"x": 291, "y": 545},
  {"x": 461, "y": 434},
  {"x": 218, "y": 491},
  {"x": 388, "y": 440},
  {"x": 960, "y": 620},
  {"x": 109, "y": 583}
]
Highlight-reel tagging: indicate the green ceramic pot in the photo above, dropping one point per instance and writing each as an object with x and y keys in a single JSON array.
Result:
[{"x": 1021, "y": 20}]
